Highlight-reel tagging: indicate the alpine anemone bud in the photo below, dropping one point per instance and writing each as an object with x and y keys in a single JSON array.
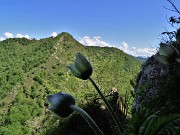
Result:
[
  {"x": 167, "y": 54},
  {"x": 60, "y": 104},
  {"x": 81, "y": 68},
  {"x": 162, "y": 59},
  {"x": 168, "y": 50}
]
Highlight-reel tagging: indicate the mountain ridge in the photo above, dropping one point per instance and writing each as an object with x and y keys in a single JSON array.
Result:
[{"x": 39, "y": 68}]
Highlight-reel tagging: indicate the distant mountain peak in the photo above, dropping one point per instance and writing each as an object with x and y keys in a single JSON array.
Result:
[
  {"x": 65, "y": 36},
  {"x": 142, "y": 59}
]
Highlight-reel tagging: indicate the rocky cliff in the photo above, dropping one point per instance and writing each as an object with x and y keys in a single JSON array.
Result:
[{"x": 158, "y": 85}]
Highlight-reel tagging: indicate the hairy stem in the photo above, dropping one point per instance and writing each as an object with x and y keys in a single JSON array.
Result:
[
  {"x": 88, "y": 119},
  {"x": 112, "y": 113}
]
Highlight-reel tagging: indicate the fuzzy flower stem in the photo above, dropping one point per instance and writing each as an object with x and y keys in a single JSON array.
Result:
[
  {"x": 88, "y": 119},
  {"x": 112, "y": 113}
]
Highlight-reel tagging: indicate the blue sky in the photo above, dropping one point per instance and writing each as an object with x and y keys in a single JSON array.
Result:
[{"x": 119, "y": 23}]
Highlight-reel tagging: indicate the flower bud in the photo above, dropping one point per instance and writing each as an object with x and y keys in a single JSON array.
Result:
[
  {"x": 81, "y": 68},
  {"x": 74, "y": 71},
  {"x": 162, "y": 59},
  {"x": 167, "y": 54},
  {"x": 168, "y": 51},
  {"x": 60, "y": 104}
]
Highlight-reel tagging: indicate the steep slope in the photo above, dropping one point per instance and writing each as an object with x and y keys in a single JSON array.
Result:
[{"x": 32, "y": 69}]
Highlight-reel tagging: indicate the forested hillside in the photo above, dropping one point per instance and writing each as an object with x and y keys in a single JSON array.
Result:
[{"x": 32, "y": 69}]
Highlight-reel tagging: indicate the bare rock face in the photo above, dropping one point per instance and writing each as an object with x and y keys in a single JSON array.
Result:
[{"x": 158, "y": 85}]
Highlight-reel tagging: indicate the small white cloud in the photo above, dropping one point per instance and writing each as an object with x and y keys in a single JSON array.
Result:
[
  {"x": 54, "y": 34},
  {"x": 8, "y": 35},
  {"x": 125, "y": 45},
  {"x": 143, "y": 52},
  {"x": 1, "y": 39},
  {"x": 95, "y": 41},
  {"x": 26, "y": 36},
  {"x": 21, "y": 36}
]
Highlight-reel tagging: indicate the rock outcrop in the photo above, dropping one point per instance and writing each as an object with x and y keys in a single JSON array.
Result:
[{"x": 158, "y": 85}]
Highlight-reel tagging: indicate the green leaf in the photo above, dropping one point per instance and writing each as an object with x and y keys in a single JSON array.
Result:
[{"x": 147, "y": 123}]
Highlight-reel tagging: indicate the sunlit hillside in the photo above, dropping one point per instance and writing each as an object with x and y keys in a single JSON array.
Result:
[{"x": 32, "y": 69}]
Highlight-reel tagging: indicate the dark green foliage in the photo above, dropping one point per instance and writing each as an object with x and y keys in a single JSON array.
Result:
[
  {"x": 153, "y": 122},
  {"x": 38, "y": 79}
]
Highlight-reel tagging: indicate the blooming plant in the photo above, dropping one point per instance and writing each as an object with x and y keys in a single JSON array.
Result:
[
  {"x": 63, "y": 104},
  {"x": 143, "y": 122},
  {"x": 82, "y": 69}
]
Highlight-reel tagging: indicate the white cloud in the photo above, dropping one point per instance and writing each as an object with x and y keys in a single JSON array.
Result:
[
  {"x": 21, "y": 36},
  {"x": 143, "y": 52},
  {"x": 1, "y": 39},
  {"x": 26, "y": 36},
  {"x": 95, "y": 41},
  {"x": 8, "y": 35},
  {"x": 54, "y": 34},
  {"x": 125, "y": 45}
]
